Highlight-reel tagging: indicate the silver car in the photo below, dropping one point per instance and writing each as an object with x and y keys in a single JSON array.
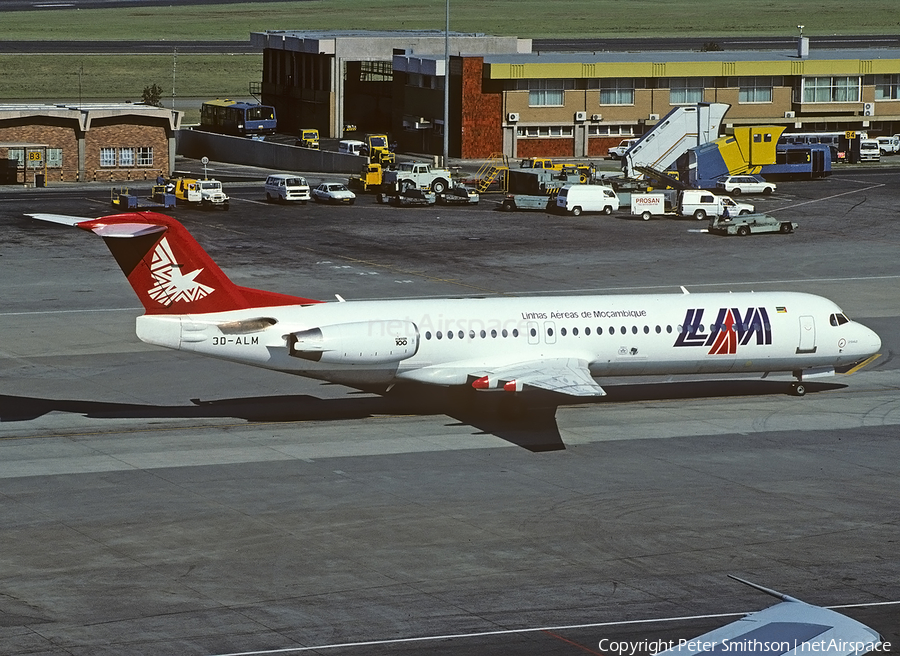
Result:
[{"x": 333, "y": 192}]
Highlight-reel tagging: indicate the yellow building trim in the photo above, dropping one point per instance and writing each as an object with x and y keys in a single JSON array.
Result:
[{"x": 582, "y": 70}]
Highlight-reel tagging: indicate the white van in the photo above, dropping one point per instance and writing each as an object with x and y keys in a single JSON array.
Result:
[
  {"x": 869, "y": 150},
  {"x": 287, "y": 186},
  {"x": 351, "y": 147},
  {"x": 700, "y": 203},
  {"x": 587, "y": 198}
]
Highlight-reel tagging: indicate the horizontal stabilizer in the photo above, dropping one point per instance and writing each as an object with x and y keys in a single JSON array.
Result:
[{"x": 63, "y": 219}]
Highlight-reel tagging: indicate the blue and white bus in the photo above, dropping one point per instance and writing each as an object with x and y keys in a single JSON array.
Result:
[{"x": 239, "y": 118}]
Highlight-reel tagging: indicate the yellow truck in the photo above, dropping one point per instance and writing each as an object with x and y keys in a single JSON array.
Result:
[
  {"x": 369, "y": 179},
  {"x": 379, "y": 149},
  {"x": 309, "y": 138}
]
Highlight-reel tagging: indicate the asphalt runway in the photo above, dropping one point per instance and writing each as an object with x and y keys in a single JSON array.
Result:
[{"x": 156, "y": 502}]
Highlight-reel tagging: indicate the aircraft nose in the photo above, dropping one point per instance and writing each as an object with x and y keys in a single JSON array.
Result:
[
  {"x": 875, "y": 340},
  {"x": 869, "y": 340}
]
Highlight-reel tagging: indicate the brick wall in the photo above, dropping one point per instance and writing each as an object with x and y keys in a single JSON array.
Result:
[
  {"x": 481, "y": 113},
  {"x": 54, "y": 133},
  {"x": 599, "y": 146},
  {"x": 545, "y": 148},
  {"x": 125, "y": 132}
]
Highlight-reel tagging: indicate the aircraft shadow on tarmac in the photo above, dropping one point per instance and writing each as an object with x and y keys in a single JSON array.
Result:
[{"x": 528, "y": 422}]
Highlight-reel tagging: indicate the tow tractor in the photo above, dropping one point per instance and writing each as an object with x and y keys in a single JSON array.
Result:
[{"x": 747, "y": 224}]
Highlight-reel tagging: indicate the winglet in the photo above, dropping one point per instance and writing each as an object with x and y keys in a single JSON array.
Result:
[{"x": 768, "y": 591}]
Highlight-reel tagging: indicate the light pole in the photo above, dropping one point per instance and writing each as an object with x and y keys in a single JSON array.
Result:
[{"x": 447, "y": 88}]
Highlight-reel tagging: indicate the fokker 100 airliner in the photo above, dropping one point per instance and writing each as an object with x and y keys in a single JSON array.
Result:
[{"x": 561, "y": 344}]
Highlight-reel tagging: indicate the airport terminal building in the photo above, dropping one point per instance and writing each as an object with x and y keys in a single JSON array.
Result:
[
  {"x": 88, "y": 142},
  {"x": 506, "y": 98}
]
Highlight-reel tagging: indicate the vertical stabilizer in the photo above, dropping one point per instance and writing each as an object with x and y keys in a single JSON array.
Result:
[{"x": 170, "y": 272}]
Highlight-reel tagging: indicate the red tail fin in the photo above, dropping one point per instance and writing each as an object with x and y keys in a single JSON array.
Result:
[{"x": 170, "y": 272}]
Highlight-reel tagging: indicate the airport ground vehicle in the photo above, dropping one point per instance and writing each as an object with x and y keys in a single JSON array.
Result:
[
  {"x": 459, "y": 195},
  {"x": 369, "y": 179},
  {"x": 745, "y": 184},
  {"x": 408, "y": 197},
  {"x": 123, "y": 198},
  {"x": 351, "y": 147},
  {"x": 663, "y": 203},
  {"x": 379, "y": 150},
  {"x": 747, "y": 224},
  {"x": 869, "y": 150},
  {"x": 333, "y": 192},
  {"x": 239, "y": 118},
  {"x": 533, "y": 189},
  {"x": 205, "y": 193},
  {"x": 287, "y": 187},
  {"x": 309, "y": 138},
  {"x": 417, "y": 175},
  {"x": 700, "y": 204},
  {"x": 581, "y": 198},
  {"x": 618, "y": 152},
  {"x": 889, "y": 145}
]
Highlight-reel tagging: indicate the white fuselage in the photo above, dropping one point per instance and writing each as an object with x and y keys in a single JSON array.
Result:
[{"x": 448, "y": 341}]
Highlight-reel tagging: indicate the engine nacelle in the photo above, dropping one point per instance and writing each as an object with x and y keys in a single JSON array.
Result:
[{"x": 362, "y": 342}]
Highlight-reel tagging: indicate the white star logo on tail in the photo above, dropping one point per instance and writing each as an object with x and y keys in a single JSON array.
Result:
[{"x": 171, "y": 285}]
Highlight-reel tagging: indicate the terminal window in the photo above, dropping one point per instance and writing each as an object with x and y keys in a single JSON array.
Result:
[
  {"x": 887, "y": 87},
  {"x": 831, "y": 89}
]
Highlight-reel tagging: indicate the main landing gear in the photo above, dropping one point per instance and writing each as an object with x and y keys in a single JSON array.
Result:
[{"x": 798, "y": 388}]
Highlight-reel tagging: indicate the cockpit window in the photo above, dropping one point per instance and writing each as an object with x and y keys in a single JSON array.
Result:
[{"x": 839, "y": 319}]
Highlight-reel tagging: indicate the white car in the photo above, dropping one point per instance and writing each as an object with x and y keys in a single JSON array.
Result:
[
  {"x": 745, "y": 184},
  {"x": 288, "y": 187},
  {"x": 620, "y": 150},
  {"x": 333, "y": 192}
]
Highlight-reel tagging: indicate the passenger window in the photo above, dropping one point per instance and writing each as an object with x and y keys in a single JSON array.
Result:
[
  {"x": 427, "y": 334},
  {"x": 562, "y": 332},
  {"x": 515, "y": 332}
]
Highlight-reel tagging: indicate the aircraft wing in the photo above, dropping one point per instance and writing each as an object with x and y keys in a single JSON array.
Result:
[
  {"x": 569, "y": 376},
  {"x": 792, "y": 627}
]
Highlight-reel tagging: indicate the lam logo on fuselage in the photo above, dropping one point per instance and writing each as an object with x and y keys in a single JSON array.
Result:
[{"x": 727, "y": 332}]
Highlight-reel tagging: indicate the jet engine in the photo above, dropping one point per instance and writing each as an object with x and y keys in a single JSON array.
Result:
[{"x": 362, "y": 342}]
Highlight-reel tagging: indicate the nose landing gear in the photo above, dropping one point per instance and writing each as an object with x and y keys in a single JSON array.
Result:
[{"x": 798, "y": 388}]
